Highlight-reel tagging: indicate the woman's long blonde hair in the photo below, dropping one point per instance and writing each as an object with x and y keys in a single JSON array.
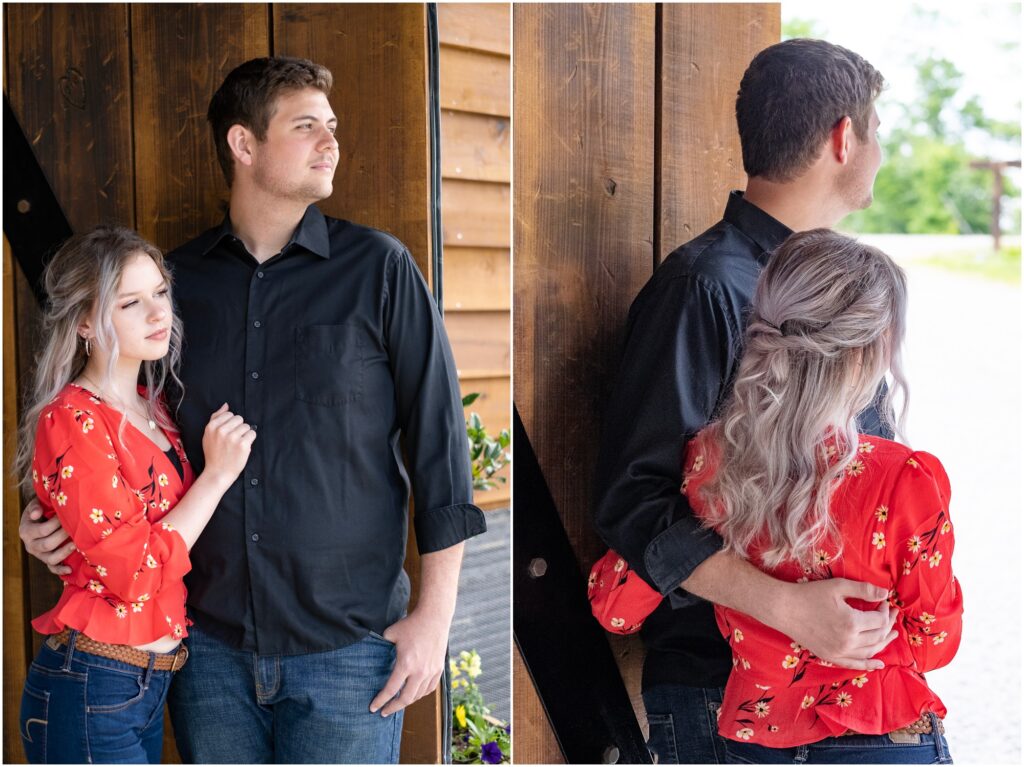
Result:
[
  {"x": 82, "y": 276},
  {"x": 827, "y": 322}
]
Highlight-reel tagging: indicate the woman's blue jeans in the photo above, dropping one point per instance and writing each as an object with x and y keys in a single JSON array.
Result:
[{"x": 80, "y": 708}]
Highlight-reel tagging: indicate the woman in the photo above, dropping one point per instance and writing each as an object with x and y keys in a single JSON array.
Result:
[
  {"x": 788, "y": 483},
  {"x": 102, "y": 454}
]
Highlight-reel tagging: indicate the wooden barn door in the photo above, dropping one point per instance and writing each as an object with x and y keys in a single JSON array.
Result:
[
  {"x": 625, "y": 148},
  {"x": 113, "y": 98}
]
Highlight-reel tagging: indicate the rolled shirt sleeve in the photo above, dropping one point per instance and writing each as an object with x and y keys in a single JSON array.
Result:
[
  {"x": 429, "y": 410},
  {"x": 679, "y": 356}
]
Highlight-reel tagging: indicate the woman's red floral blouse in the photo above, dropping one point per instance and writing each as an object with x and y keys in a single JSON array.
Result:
[
  {"x": 125, "y": 585},
  {"x": 892, "y": 513}
]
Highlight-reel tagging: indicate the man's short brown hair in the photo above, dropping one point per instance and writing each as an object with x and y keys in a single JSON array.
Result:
[
  {"x": 247, "y": 97},
  {"x": 791, "y": 97}
]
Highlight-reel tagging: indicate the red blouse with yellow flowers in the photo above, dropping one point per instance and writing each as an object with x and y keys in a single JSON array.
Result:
[
  {"x": 110, "y": 493},
  {"x": 892, "y": 512}
]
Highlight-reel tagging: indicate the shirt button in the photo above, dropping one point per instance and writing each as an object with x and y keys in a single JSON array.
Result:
[
  {"x": 255, "y": 537},
  {"x": 255, "y": 376},
  {"x": 260, "y": 275},
  {"x": 257, "y": 324},
  {"x": 254, "y": 482}
]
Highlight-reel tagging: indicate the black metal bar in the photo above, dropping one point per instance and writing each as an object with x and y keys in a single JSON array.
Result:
[
  {"x": 34, "y": 223},
  {"x": 563, "y": 647},
  {"x": 434, "y": 105}
]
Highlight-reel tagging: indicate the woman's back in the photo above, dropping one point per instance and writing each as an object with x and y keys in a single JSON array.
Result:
[{"x": 891, "y": 510}]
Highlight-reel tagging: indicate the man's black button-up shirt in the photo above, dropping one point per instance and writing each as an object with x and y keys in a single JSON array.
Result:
[
  {"x": 334, "y": 351},
  {"x": 683, "y": 342}
]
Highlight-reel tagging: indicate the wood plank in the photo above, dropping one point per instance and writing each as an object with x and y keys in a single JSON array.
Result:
[
  {"x": 533, "y": 741},
  {"x": 706, "y": 48},
  {"x": 584, "y": 227},
  {"x": 476, "y": 214},
  {"x": 475, "y": 147},
  {"x": 480, "y": 341},
  {"x": 70, "y": 87},
  {"x": 480, "y": 26},
  {"x": 181, "y": 188},
  {"x": 477, "y": 279},
  {"x": 473, "y": 81},
  {"x": 16, "y": 618},
  {"x": 377, "y": 54}
]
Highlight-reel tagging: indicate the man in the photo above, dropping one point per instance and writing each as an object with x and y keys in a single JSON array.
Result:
[
  {"x": 323, "y": 335},
  {"x": 807, "y": 124}
]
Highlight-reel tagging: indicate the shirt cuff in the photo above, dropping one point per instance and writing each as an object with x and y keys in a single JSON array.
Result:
[
  {"x": 440, "y": 528},
  {"x": 673, "y": 556}
]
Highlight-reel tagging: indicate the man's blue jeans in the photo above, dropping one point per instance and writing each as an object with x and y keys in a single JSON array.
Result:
[
  {"x": 232, "y": 706},
  {"x": 80, "y": 708},
  {"x": 684, "y": 724}
]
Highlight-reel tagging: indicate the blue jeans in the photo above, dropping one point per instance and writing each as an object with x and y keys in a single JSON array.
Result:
[
  {"x": 849, "y": 749},
  {"x": 77, "y": 708},
  {"x": 233, "y": 706},
  {"x": 684, "y": 724}
]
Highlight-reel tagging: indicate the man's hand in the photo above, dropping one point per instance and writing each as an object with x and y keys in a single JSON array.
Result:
[
  {"x": 816, "y": 615},
  {"x": 421, "y": 642},
  {"x": 45, "y": 540}
]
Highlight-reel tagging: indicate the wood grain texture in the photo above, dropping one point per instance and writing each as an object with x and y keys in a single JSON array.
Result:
[
  {"x": 479, "y": 26},
  {"x": 584, "y": 226},
  {"x": 181, "y": 54},
  {"x": 16, "y": 627},
  {"x": 706, "y": 47},
  {"x": 69, "y": 84},
  {"x": 533, "y": 741},
  {"x": 477, "y": 279},
  {"x": 474, "y": 81},
  {"x": 475, "y": 147},
  {"x": 480, "y": 342},
  {"x": 476, "y": 214},
  {"x": 377, "y": 54}
]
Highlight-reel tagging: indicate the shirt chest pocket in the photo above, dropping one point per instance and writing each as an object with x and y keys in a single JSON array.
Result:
[{"x": 329, "y": 362}]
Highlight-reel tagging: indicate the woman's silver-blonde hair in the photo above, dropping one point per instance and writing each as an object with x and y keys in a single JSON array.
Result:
[
  {"x": 84, "y": 275},
  {"x": 827, "y": 322}
]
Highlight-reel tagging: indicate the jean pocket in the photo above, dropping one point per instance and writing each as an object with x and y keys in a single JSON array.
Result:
[
  {"x": 380, "y": 638},
  {"x": 35, "y": 706},
  {"x": 108, "y": 691},
  {"x": 662, "y": 739},
  {"x": 329, "y": 364}
]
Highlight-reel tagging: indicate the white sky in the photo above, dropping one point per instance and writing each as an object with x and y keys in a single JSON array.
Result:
[{"x": 982, "y": 38}]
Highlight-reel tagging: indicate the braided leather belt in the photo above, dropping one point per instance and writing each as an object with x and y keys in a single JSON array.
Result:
[
  {"x": 923, "y": 726},
  {"x": 123, "y": 653}
]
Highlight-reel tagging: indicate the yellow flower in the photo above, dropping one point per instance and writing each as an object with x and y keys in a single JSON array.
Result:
[
  {"x": 859, "y": 681},
  {"x": 101, "y": 571},
  {"x": 855, "y": 469},
  {"x": 35, "y": 476},
  {"x": 67, "y": 471},
  {"x": 844, "y": 699},
  {"x": 618, "y": 623},
  {"x": 121, "y": 610},
  {"x": 790, "y": 661},
  {"x": 162, "y": 480},
  {"x": 96, "y": 587},
  {"x": 882, "y": 513},
  {"x": 745, "y": 733},
  {"x": 460, "y": 716},
  {"x": 797, "y": 647},
  {"x": 619, "y": 564},
  {"x": 912, "y": 463},
  {"x": 87, "y": 425},
  {"x": 946, "y": 527},
  {"x": 915, "y": 639},
  {"x": 808, "y": 701},
  {"x": 865, "y": 447},
  {"x": 136, "y": 607},
  {"x": 113, "y": 481},
  {"x": 167, "y": 526},
  {"x": 822, "y": 558},
  {"x": 762, "y": 709},
  {"x": 906, "y": 567},
  {"x": 62, "y": 499},
  {"x": 939, "y": 638},
  {"x": 178, "y": 631},
  {"x": 698, "y": 463},
  {"x": 926, "y": 618},
  {"x": 151, "y": 562},
  {"x": 935, "y": 558},
  {"x": 96, "y": 516},
  {"x": 737, "y": 635},
  {"x": 453, "y": 668},
  {"x": 914, "y": 544},
  {"x": 878, "y": 540}
]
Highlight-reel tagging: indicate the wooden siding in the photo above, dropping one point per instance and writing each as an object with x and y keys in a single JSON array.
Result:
[
  {"x": 625, "y": 148},
  {"x": 475, "y": 95}
]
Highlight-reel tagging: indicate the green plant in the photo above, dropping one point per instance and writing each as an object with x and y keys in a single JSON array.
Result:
[
  {"x": 489, "y": 455},
  {"x": 477, "y": 737}
]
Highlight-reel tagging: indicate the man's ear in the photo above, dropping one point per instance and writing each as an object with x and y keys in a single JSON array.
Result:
[
  {"x": 839, "y": 140},
  {"x": 241, "y": 141}
]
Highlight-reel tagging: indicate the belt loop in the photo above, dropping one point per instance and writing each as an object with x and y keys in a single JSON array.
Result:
[
  {"x": 149, "y": 671},
  {"x": 940, "y": 744},
  {"x": 801, "y": 755},
  {"x": 70, "y": 651}
]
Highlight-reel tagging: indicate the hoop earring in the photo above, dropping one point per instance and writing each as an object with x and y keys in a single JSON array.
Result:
[{"x": 88, "y": 348}]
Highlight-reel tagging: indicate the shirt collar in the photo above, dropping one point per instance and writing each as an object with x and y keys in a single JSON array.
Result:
[
  {"x": 766, "y": 231},
  {"x": 310, "y": 234}
]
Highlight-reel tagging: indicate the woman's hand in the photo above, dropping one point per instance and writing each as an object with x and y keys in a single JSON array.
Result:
[{"x": 226, "y": 443}]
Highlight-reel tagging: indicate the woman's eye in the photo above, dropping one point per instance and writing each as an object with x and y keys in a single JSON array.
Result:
[
  {"x": 163, "y": 292},
  {"x": 129, "y": 304}
]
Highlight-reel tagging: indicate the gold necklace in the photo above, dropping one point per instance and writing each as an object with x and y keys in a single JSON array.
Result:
[{"x": 144, "y": 416}]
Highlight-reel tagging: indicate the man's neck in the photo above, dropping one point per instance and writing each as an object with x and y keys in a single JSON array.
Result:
[
  {"x": 801, "y": 204},
  {"x": 264, "y": 224}
]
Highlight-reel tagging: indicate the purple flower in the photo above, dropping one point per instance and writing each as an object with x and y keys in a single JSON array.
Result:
[{"x": 490, "y": 753}]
